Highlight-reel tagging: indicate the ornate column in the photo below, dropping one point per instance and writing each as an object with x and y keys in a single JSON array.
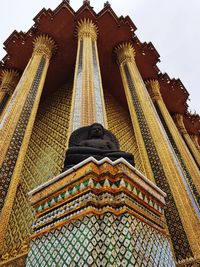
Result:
[
  {"x": 9, "y": 80},
  {"x": 135, "y": 122},
  {"x": 181, "y": 212},
  {"x": 186, "y": 137},
  {"x": 88, "y": 101},
  {"x": 18, "y": 123},
  {"x": 186, "y": 161},
  {"x": 194, "y": 138}
]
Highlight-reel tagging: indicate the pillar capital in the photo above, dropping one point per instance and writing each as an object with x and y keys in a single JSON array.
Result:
[
  {"x": 194, "y": 138},
  {"x": 125, "y": 53},
  {"x": 153, "y": 87},
  {"x": 179, "y": 123},
  {"x": 44, "y": 45},
  {"x": 9, "y": 80},
  {"x": 86, "y": 28}
]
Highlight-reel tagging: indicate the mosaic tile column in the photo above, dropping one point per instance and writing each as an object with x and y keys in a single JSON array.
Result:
[
  {"x": 88, "y": 101},
  {"x": 186, "y": 161},
  {"x": 18, "y": 131},
  {"x": 182, "y": 212},
  {"x": 138, "y": 134},
  {"x": 99, "y": 213},
  {"x": 9, "y": 80},
  {"x": 186, "y": 137}
]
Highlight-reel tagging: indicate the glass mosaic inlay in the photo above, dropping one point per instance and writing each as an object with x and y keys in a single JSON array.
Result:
[
  {"x": 180, "y": 242},
  {"x": 105, "y": 240}
]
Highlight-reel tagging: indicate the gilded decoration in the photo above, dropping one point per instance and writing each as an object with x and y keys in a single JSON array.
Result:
[
  {"x": 193, "y": 149},
  {"x": 161, "y": 180},
  {"x": 9, "y": 80},
  {"x": 103, "y": 213},
  {"x": 44, "y": 160},
  {"x": 10, "y": 169},
  {"x": 194, "y": 138},
  {"x": 99, "y": 186},
  {"x": 125, "y": 53},
  {"x": 190, "y": 171},
  {"x": 88, "y": 100},
  {"x": 15, "y": 145},
  {"x": 136, "y": 92},
  {"x": 86, "y": 28},
  {"x": 180, "y": 124},
  {"x": 154, "y": 89},
  {"x": 98, "y": 208},
  {"x": 44, "y": 46},
  {"x": 119, "y": 122}
]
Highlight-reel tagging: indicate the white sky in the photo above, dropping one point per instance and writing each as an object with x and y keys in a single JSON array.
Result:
[{"x": 172, "y": 26}]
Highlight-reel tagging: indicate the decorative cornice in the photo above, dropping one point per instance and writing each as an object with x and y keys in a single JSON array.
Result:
[
  {"x": 153, "y": 87},
  {"x": 85, "y": 189},
  {"x": 44, "y": 45},
  {"x": 98, "y": 163},
  {"x": 86, "y": 28},
  {"x": 125, "y": 53},
  {"x": 9, "y": 80}
]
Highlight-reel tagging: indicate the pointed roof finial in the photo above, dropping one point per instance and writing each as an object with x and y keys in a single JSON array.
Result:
[
  {"x": 86, "y": 2},
  {"x": 106, "y": 4}
]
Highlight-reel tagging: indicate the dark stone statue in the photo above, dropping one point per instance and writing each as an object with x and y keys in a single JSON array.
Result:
[{"x": 95, "y": 141}]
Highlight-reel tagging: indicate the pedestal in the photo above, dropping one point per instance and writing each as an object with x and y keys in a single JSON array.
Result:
[{"x": 99, "y": 213}]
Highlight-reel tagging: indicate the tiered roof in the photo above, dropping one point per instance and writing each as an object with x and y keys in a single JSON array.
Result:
[{"x": 61, "y": 25}]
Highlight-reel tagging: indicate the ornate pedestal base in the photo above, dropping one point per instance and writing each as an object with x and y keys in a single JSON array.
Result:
[{"x": 99, "y": 213}]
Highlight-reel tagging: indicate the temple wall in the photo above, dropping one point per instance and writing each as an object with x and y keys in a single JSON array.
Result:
[
  {"x": 45, "y": 156},
  {"x": 44, "y": 160}
]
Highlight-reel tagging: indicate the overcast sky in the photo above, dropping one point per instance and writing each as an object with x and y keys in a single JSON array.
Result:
[{"x": 172, "y": 26}]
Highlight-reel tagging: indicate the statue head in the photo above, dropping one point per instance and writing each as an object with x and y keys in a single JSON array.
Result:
[{"x": 96, "y": 131}]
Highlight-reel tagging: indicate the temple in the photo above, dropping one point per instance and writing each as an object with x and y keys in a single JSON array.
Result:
[{"x": 128, "y": 195}]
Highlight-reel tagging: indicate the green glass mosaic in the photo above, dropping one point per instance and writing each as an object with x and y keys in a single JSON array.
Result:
[{"x": 105, "y": 240}]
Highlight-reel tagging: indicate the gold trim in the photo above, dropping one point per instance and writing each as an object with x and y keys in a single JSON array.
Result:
[
  {"x": 87, "y": 33},
  {"x": 9, "y": 80},
  {"x": 101, "y": 86},
  {"x": 8, "y": 204},
  {"x": 189, "y": 219},
  {"x": 99, "y": 213},
  {"x": 74, "y": 92},
  {"x": 44, "y": 46},
  {"x": 11, "y": 116},
  {"x": 88, "y": 114},
  {"x": 194, "y": 138},
  {"x": 188, "y": 140},
  {"x": 126, "y": 52},
  {"x": 188, "y": 160},
  {"x": 86, "y": 28}
]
